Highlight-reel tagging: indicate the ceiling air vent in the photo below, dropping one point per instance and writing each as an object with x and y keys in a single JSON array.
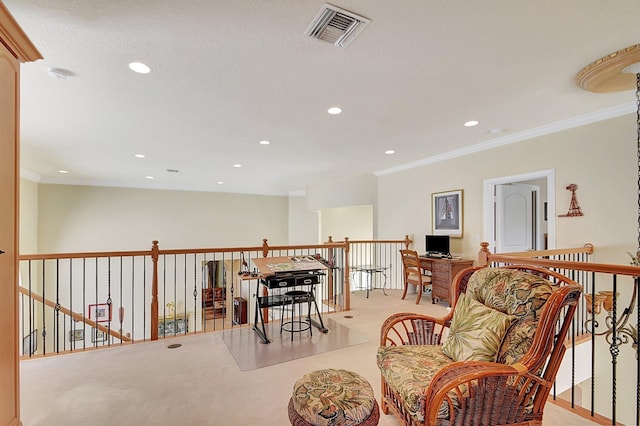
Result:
[{"x": 336, "y": 26}]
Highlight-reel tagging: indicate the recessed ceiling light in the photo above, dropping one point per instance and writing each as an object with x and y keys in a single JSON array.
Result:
[
  {"x": 264, "y": 142},
  {"x": 496, "y": 130},
  {"x": 64, "y": 172},
  {"x": 237, "y": 166},
  {"x": 471, "y": 123},
  {"x": 149, "y": 177},
  {"x": 139, "y": 155},
  {"x": 139, "y": 67},
  {"x": 334, "y": 110},
  {"x": 389, "y": 152},
  {"x": 220, "y": 182}
]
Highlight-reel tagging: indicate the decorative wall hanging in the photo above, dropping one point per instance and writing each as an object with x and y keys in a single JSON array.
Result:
[{"x": 574, "y": 208}]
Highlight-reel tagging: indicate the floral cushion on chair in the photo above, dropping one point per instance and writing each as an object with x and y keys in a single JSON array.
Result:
[
  {"x": 510, "y": 291},
  {"x": 516, "y": 293},
  {"x": 476, "y": 331},
  {"x": 408, "y": 370}
]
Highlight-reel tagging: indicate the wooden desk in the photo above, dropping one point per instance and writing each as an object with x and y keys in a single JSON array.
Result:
[{"x": 442, "y": 273}]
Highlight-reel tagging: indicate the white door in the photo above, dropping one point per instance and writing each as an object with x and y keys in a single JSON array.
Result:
[{"x": 515, "y": 212}]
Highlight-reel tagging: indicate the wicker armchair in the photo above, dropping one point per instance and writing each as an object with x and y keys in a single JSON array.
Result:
[{"x": 491, "y": 361}]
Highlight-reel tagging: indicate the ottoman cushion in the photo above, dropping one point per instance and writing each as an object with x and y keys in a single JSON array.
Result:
[{"x": 328, "y": 397}]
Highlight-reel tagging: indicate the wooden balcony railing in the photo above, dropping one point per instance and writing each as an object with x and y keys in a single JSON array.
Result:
[
  {"x": 80, "y": 301},
  {"x": 606, "y": 392}
]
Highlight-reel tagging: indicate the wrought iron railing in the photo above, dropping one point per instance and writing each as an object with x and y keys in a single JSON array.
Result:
[
  {"x": 591, "y": 384},
  {"x": 80, "y": 301}
]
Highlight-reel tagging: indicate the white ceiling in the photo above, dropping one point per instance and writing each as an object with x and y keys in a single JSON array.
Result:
[{"x": 227, "y": 74}]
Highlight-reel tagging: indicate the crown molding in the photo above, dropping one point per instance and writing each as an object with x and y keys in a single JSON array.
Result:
[{"x": 555, "y": 127}]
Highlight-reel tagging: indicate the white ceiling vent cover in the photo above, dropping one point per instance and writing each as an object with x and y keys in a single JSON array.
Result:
[{"x": 336, "y": 26}]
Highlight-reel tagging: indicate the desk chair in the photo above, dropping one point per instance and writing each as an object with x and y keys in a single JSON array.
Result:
[{"x": 413, "y": 274}]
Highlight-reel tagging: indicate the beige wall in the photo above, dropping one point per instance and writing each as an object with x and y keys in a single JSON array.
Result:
[
  {"x": 600, "y": 158},
  {"x": 28, "y": 216},
  {"x": 353, "y": 222},
  {"x": 343, "y": 191},
  {"x": 86, "y": 218},
  {"x": 303, "y": 224}
]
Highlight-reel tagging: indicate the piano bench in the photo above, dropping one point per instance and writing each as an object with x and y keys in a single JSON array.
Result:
[{"x": 328, "y": 397}]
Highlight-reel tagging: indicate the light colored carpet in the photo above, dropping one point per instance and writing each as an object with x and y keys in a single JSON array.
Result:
[
  {"x": 200, "y": 383},
  {"x": 250, "y": 353}
]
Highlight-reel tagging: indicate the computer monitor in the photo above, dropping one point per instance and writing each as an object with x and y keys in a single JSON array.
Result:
[{"x": 437, "y": 244}]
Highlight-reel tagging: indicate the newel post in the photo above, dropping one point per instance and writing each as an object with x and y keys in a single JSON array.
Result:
[
  {"x": 483, "y": 254},
  {"x": 154, "y": 291},
  {"x": 330, "y": 283},
  {"x": 347, "y": 284},
  {"x": 407, "y": 242}
]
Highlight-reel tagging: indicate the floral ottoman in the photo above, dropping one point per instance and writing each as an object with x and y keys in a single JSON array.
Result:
[{"x": 333, "y": 397}]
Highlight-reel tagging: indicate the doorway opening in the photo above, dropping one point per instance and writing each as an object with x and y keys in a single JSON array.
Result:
[{"x": 512, "y": 220}]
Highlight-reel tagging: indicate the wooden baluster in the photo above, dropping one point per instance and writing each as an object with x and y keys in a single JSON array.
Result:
[
  {"x": 154, "y": 291},
  {"x": 330, "y": 283},
  {"x": 347, "y": 284},
  {"x": 265, "y": 291}
]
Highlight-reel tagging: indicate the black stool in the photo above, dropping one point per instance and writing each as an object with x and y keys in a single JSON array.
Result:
[{"x": 293, "y": 298}]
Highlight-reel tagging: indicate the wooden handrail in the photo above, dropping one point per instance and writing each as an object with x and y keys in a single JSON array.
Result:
[
  {"x": 80, "y": 255},
  {"x": 91, "y": 254},
  {"x": 403, "y": 241},
  {"x": 485, "y": 257},
  {"x": 76, "y": 316},
  {"x": 605, "y": 268},
  {"x": 587, "y": 249}
]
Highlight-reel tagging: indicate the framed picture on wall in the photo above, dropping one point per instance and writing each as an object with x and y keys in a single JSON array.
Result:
[
  {"x": 446, "y": 213},
  {"x": 76, "y": 335},
  {"x": 98, "y": 336},
  {"x": 100, "y": 312}
]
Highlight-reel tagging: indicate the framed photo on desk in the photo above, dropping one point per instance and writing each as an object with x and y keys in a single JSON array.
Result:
[{"x": 446, "y": 213}]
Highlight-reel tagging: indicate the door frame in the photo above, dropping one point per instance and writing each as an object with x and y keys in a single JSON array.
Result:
[{"x": 488, "y": 227}]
